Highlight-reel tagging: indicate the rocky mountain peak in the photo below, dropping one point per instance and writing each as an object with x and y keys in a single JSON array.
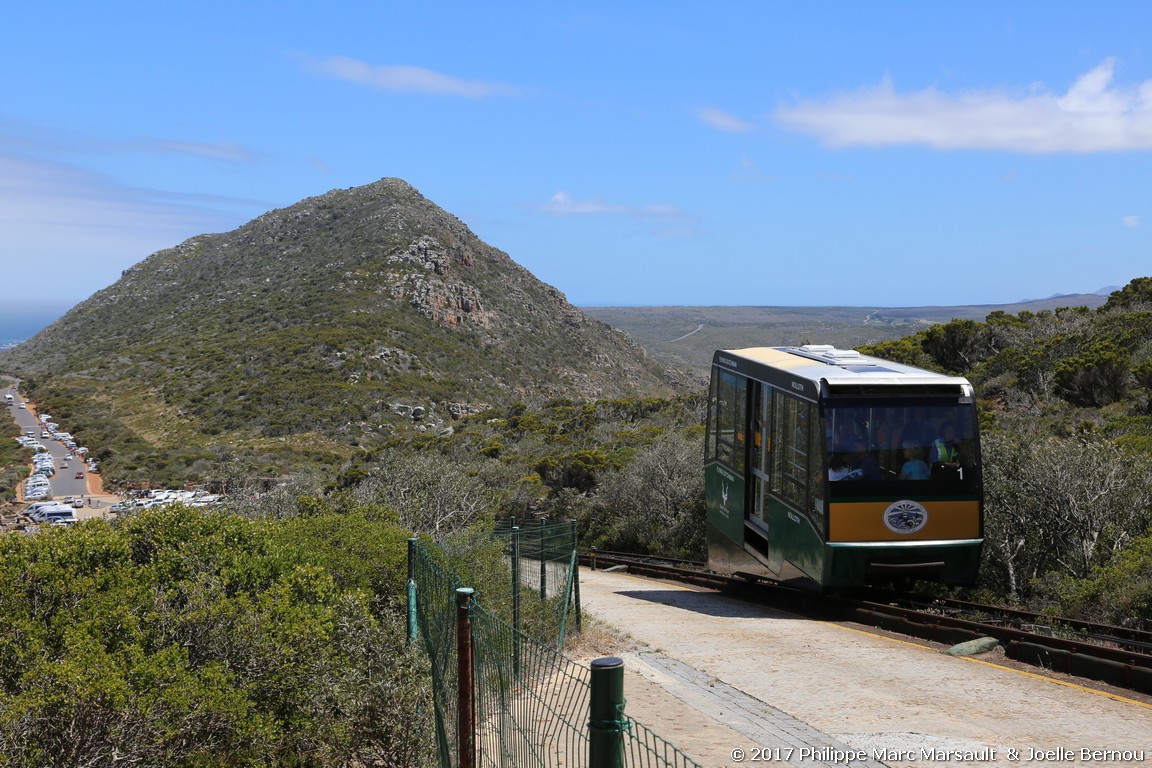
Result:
[{"x": 317, "y": 316}]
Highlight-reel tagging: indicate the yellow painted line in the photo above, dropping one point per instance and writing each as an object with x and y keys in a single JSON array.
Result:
[
  {"x": 1045, "y": 678},
  {"x": 922, "y": 647},
  {"x": 1064, "y": 683}
]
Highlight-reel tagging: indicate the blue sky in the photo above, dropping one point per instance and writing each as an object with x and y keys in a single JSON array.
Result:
[{"x": 644, "y": 153}]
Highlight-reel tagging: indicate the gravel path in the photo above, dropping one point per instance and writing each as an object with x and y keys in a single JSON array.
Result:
[{"x": 714, "y": 675}]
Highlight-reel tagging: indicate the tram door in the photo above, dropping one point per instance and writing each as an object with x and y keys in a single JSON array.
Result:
[{"x": 761, "y": 461}]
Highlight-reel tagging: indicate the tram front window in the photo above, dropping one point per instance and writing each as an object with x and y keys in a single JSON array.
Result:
[{"x": 906, "y": 443}]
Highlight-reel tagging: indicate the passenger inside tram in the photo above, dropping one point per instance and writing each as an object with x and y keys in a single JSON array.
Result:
[
  {"x": 890, "y": 443},
  {"x": 914, "y": 467}
]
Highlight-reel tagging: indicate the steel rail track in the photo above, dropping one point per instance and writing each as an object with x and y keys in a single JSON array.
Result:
[{"x": 1119, "y": 656}]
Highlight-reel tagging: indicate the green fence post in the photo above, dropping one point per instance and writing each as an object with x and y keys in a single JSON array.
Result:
[
  {"x": 576, "y": 577},
  {"x": 606, "y": 723},
  {"x": 411, "y": 590},
  {"x": 516, "y": 601},
  {"x": 465, "y": 681},
  {"x": 543, "y": 568}
]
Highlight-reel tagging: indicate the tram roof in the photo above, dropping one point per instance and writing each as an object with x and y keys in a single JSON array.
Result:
[{"x": 822, "y": 362}]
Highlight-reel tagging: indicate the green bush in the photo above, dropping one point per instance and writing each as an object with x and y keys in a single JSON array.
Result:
[
  {"x": 186, "y": 638},
  {"x": 1119, "y": 593}
]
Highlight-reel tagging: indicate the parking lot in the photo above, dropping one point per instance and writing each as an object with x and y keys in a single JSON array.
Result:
[{"x": 63, "y": 476}]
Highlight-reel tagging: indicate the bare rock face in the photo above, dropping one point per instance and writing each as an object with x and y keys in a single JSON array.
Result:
[{"x": 433, "y": 292}]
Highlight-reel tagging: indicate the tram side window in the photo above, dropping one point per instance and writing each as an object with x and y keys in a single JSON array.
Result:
[
  {"x": 816, "y": 472},
  {"x": 761, "y": 418},
  {"x": 793, "y": 434},
  {"x": 710, "y": 438},
  {"x": 731, "y": 407}
]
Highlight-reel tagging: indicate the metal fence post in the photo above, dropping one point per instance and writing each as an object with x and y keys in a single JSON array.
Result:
[
  {"x": 576, "y": 577},
  {"x": 543, "y": 563},
  {"x": 606, "y": 723},
  {"x": 465, "y": 681},
  {"x": 516, "y": 601},
  {"x": 411, "y": 590}
]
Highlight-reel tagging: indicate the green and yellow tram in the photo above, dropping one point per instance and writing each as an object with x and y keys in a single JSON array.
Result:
[{"x": 827, "y": 468}]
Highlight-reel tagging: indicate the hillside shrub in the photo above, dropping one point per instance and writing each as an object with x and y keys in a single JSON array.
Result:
[
  {"x": 654, "y": 504},
  {"x": 184, "y": 637},
  {"x": 1096, "y": 378},
  {"x": 1062, "y": 506},
  {"x": 1119, "y": 593}
]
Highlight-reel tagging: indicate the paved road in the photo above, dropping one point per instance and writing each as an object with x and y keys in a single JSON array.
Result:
[{"x": 64, "y": 482}]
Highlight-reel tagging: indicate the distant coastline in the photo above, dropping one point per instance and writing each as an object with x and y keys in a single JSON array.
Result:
[{"x": 23, "y": 320}]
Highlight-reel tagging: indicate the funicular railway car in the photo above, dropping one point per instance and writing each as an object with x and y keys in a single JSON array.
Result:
[{"x": 826, "y": 468}]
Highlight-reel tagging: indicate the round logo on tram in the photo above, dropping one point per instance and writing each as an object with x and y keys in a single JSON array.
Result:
[{"x": 905, "y": 516}]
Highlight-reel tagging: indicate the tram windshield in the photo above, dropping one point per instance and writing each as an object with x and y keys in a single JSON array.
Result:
[{"x": 899, "y": 441}]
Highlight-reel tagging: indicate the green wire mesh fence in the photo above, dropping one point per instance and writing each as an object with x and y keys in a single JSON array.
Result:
[
  {"x": 529, "y": 705},
  {"x": 532, "y": 701},
  {"x": 431, "y": 594},
  {"x": 543, "y": 557}
]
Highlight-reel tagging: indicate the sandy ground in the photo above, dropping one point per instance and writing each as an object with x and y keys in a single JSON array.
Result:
[{"x": 714, "y": 675}]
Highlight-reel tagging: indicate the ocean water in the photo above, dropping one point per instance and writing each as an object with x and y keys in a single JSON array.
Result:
[{"x": 21, "y": 322}]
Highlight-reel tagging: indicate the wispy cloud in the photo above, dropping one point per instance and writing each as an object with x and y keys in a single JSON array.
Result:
[
  {"x": 1131, "y": 221},
  {"x": 750, "y": 171},
  {"x": 1092, "y": 116},
  {"x": 663, "y": 220},
  {"x": 25, "y": 138},
  {"x": 405, "y": 78},
  {"x": 88, "y": 227},
  {"x": 723, "y": 121},
  {"x": 223, "y": 150},
  {"x": 563, "y": 204}
]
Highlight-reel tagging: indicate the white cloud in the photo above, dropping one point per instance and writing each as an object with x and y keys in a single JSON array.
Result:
[
  {"x": 1131, "y": 221},
  {"x": 405, "y": 78},
  {"x": 659, "y": 219},
  {"x": 1093, "y": 116},
  {"x": 563, "y": 204},
  {"x": 723, "y": 121}
]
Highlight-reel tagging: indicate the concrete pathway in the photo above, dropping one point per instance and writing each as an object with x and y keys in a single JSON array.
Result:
[{"x": 733, "y": 684}]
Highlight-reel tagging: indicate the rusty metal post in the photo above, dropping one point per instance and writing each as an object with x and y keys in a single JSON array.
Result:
[{"x": 465, "y": 681}]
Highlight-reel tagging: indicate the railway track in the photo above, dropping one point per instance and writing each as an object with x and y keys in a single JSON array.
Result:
[{"x": 1118, "y": 656}]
